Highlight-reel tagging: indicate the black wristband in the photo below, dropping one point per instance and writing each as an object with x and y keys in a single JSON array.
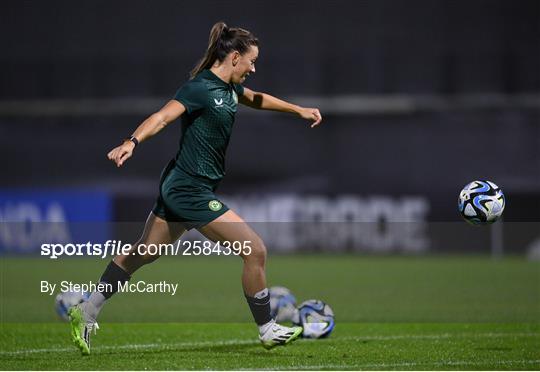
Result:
[{"x": 133, "y": 139}]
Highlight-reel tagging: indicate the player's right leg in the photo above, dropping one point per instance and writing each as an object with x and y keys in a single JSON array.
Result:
[
  {"x": 230, "y": 227},
  {"x": 83, "y": 316}
]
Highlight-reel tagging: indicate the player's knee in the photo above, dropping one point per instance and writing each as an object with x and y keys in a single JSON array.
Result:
[{"x": 258, "y": 252}]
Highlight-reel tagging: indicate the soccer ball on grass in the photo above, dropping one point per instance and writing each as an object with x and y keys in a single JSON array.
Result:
[
  {"x": 65, "y": 300},
  {"x": 316, "y": 317},
  {"x": 282, "y": 304}
]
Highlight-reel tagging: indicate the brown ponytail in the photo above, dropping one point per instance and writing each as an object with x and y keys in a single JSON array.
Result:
[{"x": 222, "y": 41}]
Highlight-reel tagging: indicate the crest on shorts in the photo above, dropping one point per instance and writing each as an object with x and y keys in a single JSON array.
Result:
[{"x": 215, "y": 205}]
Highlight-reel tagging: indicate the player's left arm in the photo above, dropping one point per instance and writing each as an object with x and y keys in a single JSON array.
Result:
[{"x": 263, "y": 101}]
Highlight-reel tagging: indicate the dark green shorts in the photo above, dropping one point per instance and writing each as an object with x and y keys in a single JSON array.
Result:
[{"x": 187, "y": 199}]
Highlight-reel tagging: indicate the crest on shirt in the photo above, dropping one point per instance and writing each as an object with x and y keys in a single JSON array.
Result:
[
  {"x": 235, "y": 97},
  {"x": 219, "y": 102},
  {"x": 215, "y": 205}
]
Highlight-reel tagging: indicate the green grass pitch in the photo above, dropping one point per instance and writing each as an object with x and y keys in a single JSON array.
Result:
[{"x": 402, "y": 313}]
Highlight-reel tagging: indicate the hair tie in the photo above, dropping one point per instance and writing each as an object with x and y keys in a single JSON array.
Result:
[{"x": 225, "y": 31}]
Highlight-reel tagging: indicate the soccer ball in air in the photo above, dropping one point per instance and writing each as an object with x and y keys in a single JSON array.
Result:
[
  {"x": 316, "y": 317},
  {"x": 282, "y": 304},
  {"x": 65, "y": 300},
  {"x": 481, "y": 202}
]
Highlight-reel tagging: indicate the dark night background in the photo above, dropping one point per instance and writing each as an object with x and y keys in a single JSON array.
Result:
[{"x": 419, "y": 98}]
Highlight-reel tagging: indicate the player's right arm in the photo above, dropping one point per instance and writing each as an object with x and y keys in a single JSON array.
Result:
[
  {"x": 151, "y": 126},
  {"x": 264, "y": 101}
]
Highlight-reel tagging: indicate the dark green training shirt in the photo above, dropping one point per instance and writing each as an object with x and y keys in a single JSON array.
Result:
[{"x": 207, "y": 124}]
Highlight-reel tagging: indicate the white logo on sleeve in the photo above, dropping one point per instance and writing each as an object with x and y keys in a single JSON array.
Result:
[{"x": 219, "y": 102}]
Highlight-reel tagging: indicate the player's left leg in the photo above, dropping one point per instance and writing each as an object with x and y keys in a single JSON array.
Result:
[
  {"x": 229, "y": 227},
  {"x": 83, "y": 317}
]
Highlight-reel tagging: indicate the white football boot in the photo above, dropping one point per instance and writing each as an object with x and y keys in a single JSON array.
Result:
[{"x": 276, "y": 335}]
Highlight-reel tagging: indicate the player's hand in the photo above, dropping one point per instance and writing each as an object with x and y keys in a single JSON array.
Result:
[
  {"x": 312, "y": 114},
  {"x": 121, "y": 153}
]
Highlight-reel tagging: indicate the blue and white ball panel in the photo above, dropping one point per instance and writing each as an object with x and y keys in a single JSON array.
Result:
[
  {"x": 65, "y": 300},
  {"x": 481, "y": 202},
  {"x": 282, "y": 304},
  {"x": 316, "y": 317}
]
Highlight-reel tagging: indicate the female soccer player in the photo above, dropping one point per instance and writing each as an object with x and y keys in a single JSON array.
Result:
[{"x": 207, "y": 104}]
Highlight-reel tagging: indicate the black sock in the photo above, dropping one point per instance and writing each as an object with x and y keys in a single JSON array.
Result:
[
  {"x": 260, "y": 307},
  {"x": 113, "y": 275}
]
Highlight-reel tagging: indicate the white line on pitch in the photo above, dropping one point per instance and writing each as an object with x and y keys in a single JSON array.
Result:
[
  {"x": 231, "y": 342},
  {"x": 395, "y": 365},
  {"x": 138, "y": 346}
]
